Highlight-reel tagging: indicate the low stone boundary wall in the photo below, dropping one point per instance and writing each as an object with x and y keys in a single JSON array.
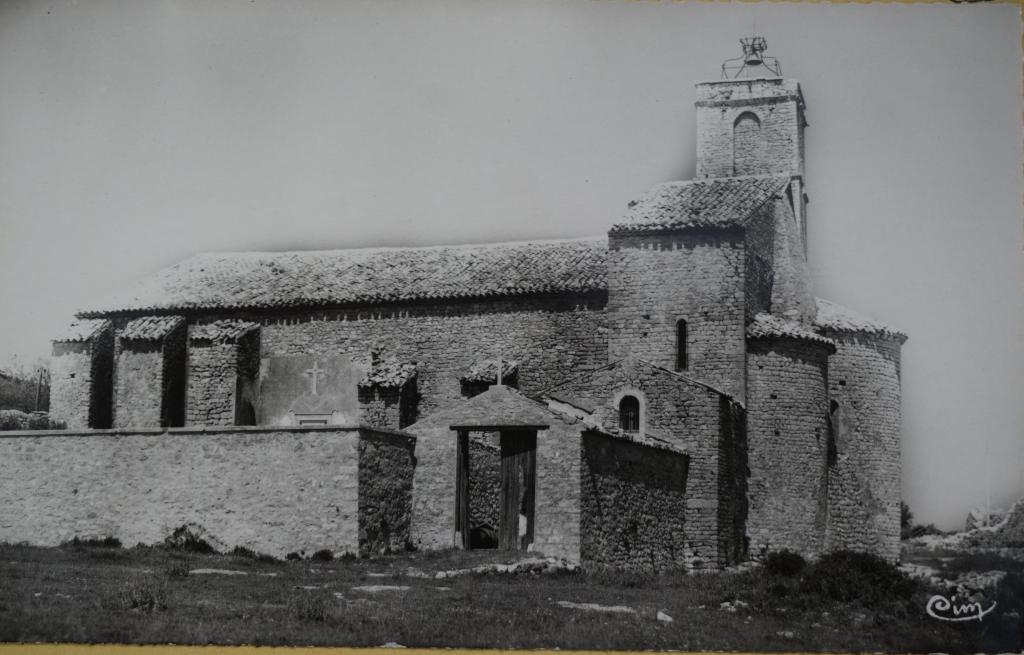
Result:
[{"x": 273, "y": 490}]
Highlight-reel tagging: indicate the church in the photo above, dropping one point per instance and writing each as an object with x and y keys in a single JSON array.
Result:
[{"x": 671, "y": 394}]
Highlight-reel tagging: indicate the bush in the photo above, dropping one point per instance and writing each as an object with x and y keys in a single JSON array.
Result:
[
  {"x": 785, "y": 563},
  {"x": 324, "y": 555},
  {"x": 105, "y": 542},
  {"x": 848, "y": 576},
  {"x": 188, "y": 538},
  {"x": 248, "y": 553},
  {"x": 144, "y": 594},
  {"x": 13, "y": 419},
  {"x": 293, "y": 557}
]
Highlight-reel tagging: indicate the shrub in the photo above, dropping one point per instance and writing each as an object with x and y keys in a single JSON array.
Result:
[
  {"x": 144, "y": 594},
  {"x": 293, "y": 556},
  {"x": 248, "y": 553},
  {"x": 13, "y": 419},
  {"x": 324, "y": 555},
  {"x": 785, "y": 563},
  {"x": 187, "y": 538},
  {"x": 848, "y": 576},
  {"x": 104, "y": 542}
]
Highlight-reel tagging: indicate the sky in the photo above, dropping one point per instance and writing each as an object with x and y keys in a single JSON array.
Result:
[{"x": 133, "y": 135}]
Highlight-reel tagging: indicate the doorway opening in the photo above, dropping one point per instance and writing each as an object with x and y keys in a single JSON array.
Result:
[{"x": 495, "y": 495}]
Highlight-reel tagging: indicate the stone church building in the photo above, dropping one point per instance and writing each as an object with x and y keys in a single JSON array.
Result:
[{"x": 670, "y": 394}]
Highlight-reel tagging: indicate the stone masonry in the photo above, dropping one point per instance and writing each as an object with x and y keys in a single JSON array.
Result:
[{"x": 272, "y": 490}]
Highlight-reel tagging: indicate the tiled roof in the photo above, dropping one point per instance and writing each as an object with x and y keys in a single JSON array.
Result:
[
  {"x": 718, "y": 202},
  {"x": 222, "y": 331},
  {"x": 367, "y": 276},
  {"x": 388, "y": 373},
  {"x": 500, "y": 406},
  {"x": 151, "y": 328},
  {"x": 766, "y": 326},
  {"x": 840, "y": 319},
  {"x": 82, "y": 329},
  {"x": 487, "y": 370}
]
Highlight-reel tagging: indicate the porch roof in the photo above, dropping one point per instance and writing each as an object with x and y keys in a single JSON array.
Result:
[{"x": 500, "y": 407}]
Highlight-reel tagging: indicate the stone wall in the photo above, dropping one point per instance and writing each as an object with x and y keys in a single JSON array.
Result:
[
  {"x": 556, "y": 509},
  {"x": 380, "y": 406},
  {"x": 212, "y": 382},
  {"x": 778, "y": 106},
  {"x": 70, "y": 383},
  {"x": 139, "y": 381},
  {"x": 484, "y": 479},
  {"x": 551, "y": 338},
  {"x": 682, "y": 413},
  {"x": 556, "y": 530},
  {"x": 150, "y": 381},
  {"x": 864, "y": 479},
  {"x": 787, "y": 440},
  {"x": 656, "y": 280},
  {"x": 386, "y": 464},
  {"x": 433, "y": 496},
  {"x": 272, "y": 490},
  {"x": 632, "y": 503},
  {"x": 778, "y": 278},
  {"x": 81, "y": 381}
]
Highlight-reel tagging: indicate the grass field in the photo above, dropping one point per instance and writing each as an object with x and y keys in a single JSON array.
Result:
[{"x": 152, "y": 595}]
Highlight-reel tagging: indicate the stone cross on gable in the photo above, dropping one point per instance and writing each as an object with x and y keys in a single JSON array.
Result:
[{"x": 314, "y": 374}]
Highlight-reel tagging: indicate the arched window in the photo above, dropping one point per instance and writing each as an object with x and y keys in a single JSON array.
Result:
[
  {"x": 629, "y": 414},
  {"x": 747, "y": 156},
  {"x": 681, "y": 354}
]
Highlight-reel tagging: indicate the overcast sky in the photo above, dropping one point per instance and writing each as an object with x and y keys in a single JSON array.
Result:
[{"x": 135, "y": 134}]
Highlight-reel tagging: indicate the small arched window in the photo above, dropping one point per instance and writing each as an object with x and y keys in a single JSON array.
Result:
[
  {"x": 629, "y": 414},
  {"x": 681, "y": 338}
]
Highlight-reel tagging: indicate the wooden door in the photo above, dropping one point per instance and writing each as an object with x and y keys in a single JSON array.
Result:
[{"x": 518, "y": 481}]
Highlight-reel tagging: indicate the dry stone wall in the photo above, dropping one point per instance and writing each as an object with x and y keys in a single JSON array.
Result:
[
  {"x": 787, "y": 440},
  {"x": 212, "y": 382},
  {"x": 655, "y": 280},
  {"x": 386, "y": 463},
  {"x": 271, "y": 490},
  {"x": 632, "y": 504},
  {"x": 864, "y": 479}
]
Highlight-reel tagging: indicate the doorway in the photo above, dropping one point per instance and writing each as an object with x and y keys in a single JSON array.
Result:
[{"x": 518, "y": 472}]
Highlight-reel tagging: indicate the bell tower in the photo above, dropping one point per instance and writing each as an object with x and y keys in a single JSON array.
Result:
[{"x": 751, "y": 122}]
